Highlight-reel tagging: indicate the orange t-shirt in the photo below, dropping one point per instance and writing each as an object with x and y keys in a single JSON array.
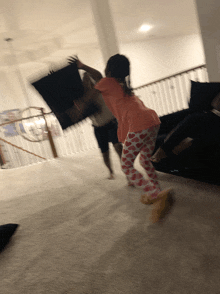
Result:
[{"x": 130, "y": 111}]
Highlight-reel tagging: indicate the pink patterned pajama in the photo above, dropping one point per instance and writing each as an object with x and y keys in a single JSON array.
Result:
[{"x": 142, "y": 142}]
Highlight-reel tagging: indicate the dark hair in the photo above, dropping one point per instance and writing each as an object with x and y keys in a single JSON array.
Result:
[{"x": 119, "y": 67}]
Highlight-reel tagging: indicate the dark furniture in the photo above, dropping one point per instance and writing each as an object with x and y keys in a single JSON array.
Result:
[{"x": 203, "y": 162}]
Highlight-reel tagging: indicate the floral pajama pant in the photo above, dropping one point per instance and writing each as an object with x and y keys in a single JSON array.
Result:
[{"x": 142, "y": 142}]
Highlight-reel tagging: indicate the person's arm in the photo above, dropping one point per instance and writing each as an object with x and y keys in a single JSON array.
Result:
[{"x": 95, "y": 74}]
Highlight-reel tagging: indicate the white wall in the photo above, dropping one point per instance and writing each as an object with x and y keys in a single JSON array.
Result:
[
  {"x": 208, "y": 16},
  {"x": 160, "y": 58}
]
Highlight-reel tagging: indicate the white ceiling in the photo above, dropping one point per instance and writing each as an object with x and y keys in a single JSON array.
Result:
[{"x": 42, "y": 27}]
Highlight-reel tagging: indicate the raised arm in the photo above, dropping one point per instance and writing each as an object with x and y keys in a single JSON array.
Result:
[{"x": 95, "y": 74}]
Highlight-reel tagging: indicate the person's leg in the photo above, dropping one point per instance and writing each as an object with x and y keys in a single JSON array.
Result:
[
  {"x": 118, "y": 148},
  {"x": 187, "y": 128},
  {"x": 143, "y": 142},
  {"x": 145, "y": 162},
  {"x": 102, "y": 139},
  {"x": 186, "y": 143},
  {"x": 132, "y": 146},
  {"x": 134, "y": 143},
  {"x": 107, "y": 162},
  {"x": 113, "y": 137},
  {"x": 162, "y": 201}
]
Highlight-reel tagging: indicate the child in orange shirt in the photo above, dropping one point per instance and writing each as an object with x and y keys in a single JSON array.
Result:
[{"x": 138, "y": 127}]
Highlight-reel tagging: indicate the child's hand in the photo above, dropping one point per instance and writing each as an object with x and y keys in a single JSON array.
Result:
[
  {"x": 95, "y": 74},
  {"x": 73, "y": 59}
]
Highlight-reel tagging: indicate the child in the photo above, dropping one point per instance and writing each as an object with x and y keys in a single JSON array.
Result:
[
  {"x": 105, "y": 127},
  {"x": 137, "y": 129},
  {"x": 104, "y": 123}
]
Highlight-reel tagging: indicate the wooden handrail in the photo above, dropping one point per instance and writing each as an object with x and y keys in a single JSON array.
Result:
[
  {"x": 21, "y": 148},
  {"x": 172, "y": 76},
  {"x": 50, "y": 138}
]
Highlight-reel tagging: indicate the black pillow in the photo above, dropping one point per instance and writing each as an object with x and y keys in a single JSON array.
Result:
[
  {"x": 202, "y": 95},
  {"x": 6, "y": 231},
  {"x": 60, "y": 88}
]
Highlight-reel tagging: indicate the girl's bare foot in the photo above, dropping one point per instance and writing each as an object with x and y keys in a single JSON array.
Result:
[
  {"x": 158, "y": 155},
  {"x": 111, "y": 177}
]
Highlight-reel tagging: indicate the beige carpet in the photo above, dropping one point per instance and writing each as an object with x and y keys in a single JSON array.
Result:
[{"x": 81, "y": 233}]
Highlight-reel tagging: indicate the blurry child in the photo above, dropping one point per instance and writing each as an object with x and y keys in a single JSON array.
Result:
[
  {"x": 105, "y": 127},
  {"x": 104, "y": 123}
]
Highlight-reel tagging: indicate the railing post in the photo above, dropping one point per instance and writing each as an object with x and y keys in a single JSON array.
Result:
[
  {"x": 2, "y": 158},
  {"x": 52, "y": 145}
]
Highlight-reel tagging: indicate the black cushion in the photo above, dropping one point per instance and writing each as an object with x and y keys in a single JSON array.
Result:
[
  {"x": 62, "y": 91},
  {"x": 6, "y": 231},
  {"x": 202, "y": 95},
  {"x": 60, "y": 88}
]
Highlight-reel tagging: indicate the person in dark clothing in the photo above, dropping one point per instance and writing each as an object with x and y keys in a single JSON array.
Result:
[
  {"x": 195, "y": 128},
  {"x": 104, "y": 123}
]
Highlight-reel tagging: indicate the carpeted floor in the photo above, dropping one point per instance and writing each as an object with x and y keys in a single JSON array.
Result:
[{"x": 81, "y": 233}]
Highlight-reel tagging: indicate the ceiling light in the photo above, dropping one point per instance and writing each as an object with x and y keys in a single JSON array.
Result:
[{"x": 144, "y": 28}]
